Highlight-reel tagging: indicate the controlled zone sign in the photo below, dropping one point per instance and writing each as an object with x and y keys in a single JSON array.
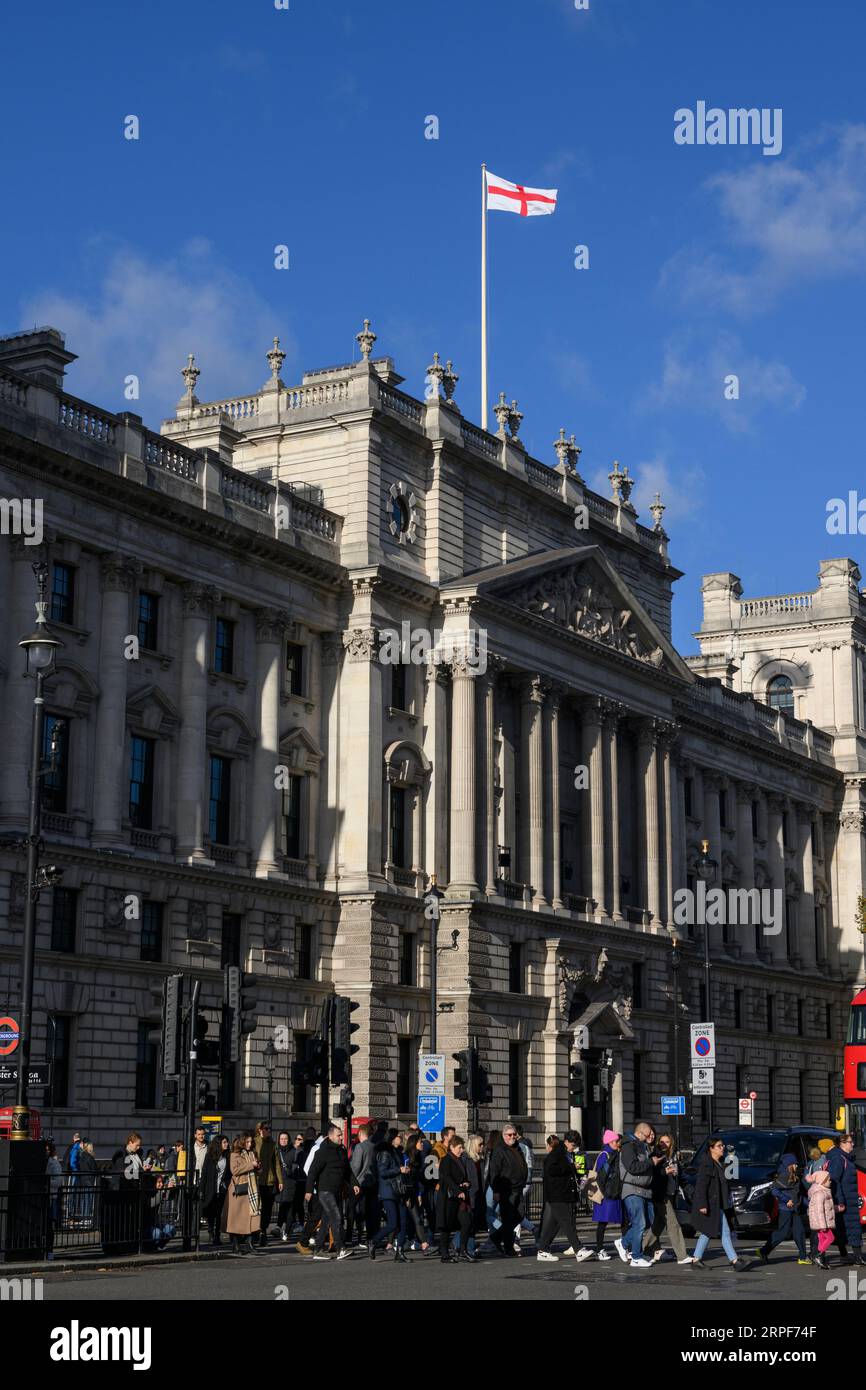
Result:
[{"x": 703, "y": 1044}]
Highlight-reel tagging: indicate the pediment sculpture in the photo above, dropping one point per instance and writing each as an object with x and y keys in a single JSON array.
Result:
[{"x": 579, "y": 600}]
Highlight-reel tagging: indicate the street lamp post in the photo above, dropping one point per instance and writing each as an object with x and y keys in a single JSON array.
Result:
[
  {"x": 676, "y": 961},
  {"x": 270, "y": 1067},
  {"x": 705, "y": 868},
  {"x": 40, "y": 648}
]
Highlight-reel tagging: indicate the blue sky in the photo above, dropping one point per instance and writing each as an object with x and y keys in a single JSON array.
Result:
[{"x": 306, "y": 127}]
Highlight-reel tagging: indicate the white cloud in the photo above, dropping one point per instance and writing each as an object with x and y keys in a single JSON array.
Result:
[
  {"x": 680, "y": 488},
  {"x": 790, "y": 220},
  {"x": 146, "y": 315},
  {"x": 695, "y": 380}
]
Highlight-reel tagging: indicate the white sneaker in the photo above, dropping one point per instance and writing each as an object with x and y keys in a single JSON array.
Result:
[
  {"x": 283, "y": 1237},
  {"x": 621, "y": 1251},
  {"x": 585, "y": 1253},
  {"x": 641, "y": 1264},
  {"x": 604, "y": 1255},
  {"x": 344, "y": 1254},
  {"x": 687, "y": 1261},
  {"x": 517, "y": 1249},
  {"x": 569, "y": 1251},
  {"x": 545, "y": 1255},
  {"x": 659, "y": 1255}
]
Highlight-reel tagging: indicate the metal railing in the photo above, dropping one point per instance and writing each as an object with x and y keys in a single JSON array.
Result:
[{"x": 43, "y": 1216}]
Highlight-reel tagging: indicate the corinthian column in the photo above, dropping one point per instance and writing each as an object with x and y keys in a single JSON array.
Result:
[
  {"x": 649, "y": 807},
  {"x": 111, "y": 779},
  {"x": 198, "y": 606},
  {"x": 745, "y": 934},
  {"x": 552, "y": 842},
  {"x": 670, "y": 802},
  {"x": 613, "y": 714},
  {"x": 593, "y": 841},
  {"x": 270, "y": 626},
  {"x": 462, "y": 847},
  {"x": 533, "y": 694},
  {"x": 489, "y": 866},
  {"x": 777, "y": 944}
]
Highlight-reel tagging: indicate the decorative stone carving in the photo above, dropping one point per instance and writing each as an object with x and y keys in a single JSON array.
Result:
[
  {"x": 190, "y": 374},
  {"x": 114, "y": 905},
  {"x": 273, "y": 931},
  {"x": 435, "y": 375},
  {"x": 449, "y": 383},
  {"x": 502, "y": 410},
  {"x": 276, "y": 357},
  {"x": 271, "y": 624},
  {"x": 360, "y": 643},
  {"x": 117, "y": 572},
  {"x": 199, "y": 600},
  {"x": 657, "y": 511},
  {"x": 580, "y": 600},
  {"x": 365, "y": 340},
  {"x": 196, "y": 928},
  {"x": 852, "y": 822},
  {"x": 515, "y": 418}
]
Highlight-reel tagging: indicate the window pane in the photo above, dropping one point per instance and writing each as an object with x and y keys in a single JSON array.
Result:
[
  {"x": 220, "y": 801},
  {"x": 55, "y": 784},
  {"x": 224, "y": 646},
  {"x": 64, "y": 909},
  {"x": 145, "y": 1070},
  {"x": 398, "y": 827},
  {"x": 58, "y": 1055},
  {"x": 148, "y": 620},
  {"x": 304, "y": 951},
  {"x": 141, "y": 783},
  {"x": 406, "y": 1076},
  {"x": 292, "y": 818},
  {"x": 515, "y": 967},
  {"x": 151, "y": 931},
  {"x": 398, "y": 686},
  {"x": 295, "y": 668},
  {"x": 230, "y": 939},
  {"x": 408, "y": 957},
  {"x": 62, "y": 593},
  {"x": 780, "y": 693}
]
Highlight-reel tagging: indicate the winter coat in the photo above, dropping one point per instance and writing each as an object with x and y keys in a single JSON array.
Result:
[
  {"x": 269, "y": 1172},
  {"x": 455, "y": 1189},
  {"x": 388, "y": 1165},
  {"x": 636, "y": 1167},
  {"x": 363, "y": 1163},
  {"x": 663, "y": 1187},
  {"x": 209, "y": 1184},
  {"x": 786, "y": 1189},
  {"x": 559, "y": 1177},
  {"x": 508, "y": 1174},
  {"x": 329, "y": 1170},
  {"x": 55, "y": 1175},
  {"x": 239, "y": 1218},
  {"x": 822, "y": 1212},
  {"x": 610, "y": 1208},
  {"x": 711, "y": 1192},
  {"x": 843, "y": 1182}
]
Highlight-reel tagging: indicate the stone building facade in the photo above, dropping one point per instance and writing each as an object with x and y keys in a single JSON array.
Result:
[{"x": 248, "y": 774}]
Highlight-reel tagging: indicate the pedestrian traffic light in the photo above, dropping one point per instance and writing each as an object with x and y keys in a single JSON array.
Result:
[
  {"x": 482, "y": 1091},
  {"x": 466, "y": 1061},
  {"x": 240, "y": 998},
  {"x": 309, "y": 1070},
  {"x": 172, "y": 1026},
  {"x": 204, "y": 1096},
  {"x": 577, "y": 1085},
  {"x": 342, "y": 1047},
  {"x": 345, "y": 1106}
]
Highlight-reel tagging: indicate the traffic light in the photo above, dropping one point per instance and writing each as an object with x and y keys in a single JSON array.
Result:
[
  {"x": 205, "y": 1098},
  {"x": 577, "y": 1085},
  {"x": 309, "y": 1070},
  {"x": 240, "y": 998},
  {"x": 344, "y": 1106},
  {"x": 482, "y": 1091},
  {"x": 342, "y": 1047},
  {"x": 208, "y": 1049},
  {"x": 172, "y": 1026},
  {"x": 463, "y": 1075}
]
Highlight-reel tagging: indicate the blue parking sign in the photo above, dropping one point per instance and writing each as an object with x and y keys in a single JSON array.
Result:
[{"x": 673, "y": 1105}]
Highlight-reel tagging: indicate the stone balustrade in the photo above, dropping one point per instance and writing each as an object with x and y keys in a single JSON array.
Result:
[
  {"x": 776, "y": 603},
  {"x": 240, "y": 487},
  {"x": 159, "y": 452},
  {"x": 13, "y": 389},
  {"x": 85, "y": 419}
]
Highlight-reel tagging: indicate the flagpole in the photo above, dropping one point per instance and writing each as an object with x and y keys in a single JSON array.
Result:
[{"x": 484, "y": 297}]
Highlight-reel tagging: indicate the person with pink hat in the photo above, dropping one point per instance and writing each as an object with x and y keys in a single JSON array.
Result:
[{"x": 603, "y": 1188}]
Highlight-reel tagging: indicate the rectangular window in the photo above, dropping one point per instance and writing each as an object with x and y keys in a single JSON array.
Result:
[
  {"x": 64, "y": 911},
  {"x": 804, "y": 1093},
  {"x": 801, "y": 1024},
  {"x": 516, "y": 1078},
  {"x": 771, "y": 1017},
  {"x": 230, "y": 939},
  {"x": 55, "y": 784},
  {"x": 219, "y": 809},
  {"x": 148, "y": 621},
  {"x": 151, "y": 931},
  {"x": 754, "y": 820},
  {"x": 294, "y": 668},
  {"x": 813, "y": 836},
  {"x": 637, "y": 985},
  {"x": 398, "y": 827},
  {"x": 785, "y": 841},
  {"x": 292, "y": 818},
  {"x": 828, "y": 1020},
  {"x": 62, "y": 593},
  {"x": 224, "y": 646},
  {"x": 141, "y": 751},
  {"x": 790, "y": 928},
  {"x": 303, "y": 1101},
  {"x": 304, "y": 936},
  {"x": 145, "y": 1069},
  {"x": 741, "y": 1081},
  {"x": 723, "y": 809},
  {"x": 738, "y": 1008},
  {"x": 398, "y": 686},
  {"x": 637, "y": 1060},
  {"x": 407, "y": 1088},
  {"x": 688, "y": 794},
  {"x": 771, "y": 1093},
  {"x": 408, "y": 958},
  {"x": 59, "y": 1053},
  {"x": 516, "y": 981}
]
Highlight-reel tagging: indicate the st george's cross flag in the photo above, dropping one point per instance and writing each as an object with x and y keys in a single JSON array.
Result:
[{"x": 503, "y": 196}]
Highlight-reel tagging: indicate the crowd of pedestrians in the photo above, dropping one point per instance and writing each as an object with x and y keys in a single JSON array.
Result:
[{"x": 462, "y": 1198}]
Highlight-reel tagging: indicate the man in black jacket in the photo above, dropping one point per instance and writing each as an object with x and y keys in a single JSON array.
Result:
[
  {"x": 560, "y": 1195},
  {"x": 507, "y": 1177},
  {"x": 329, "y": 1173}
]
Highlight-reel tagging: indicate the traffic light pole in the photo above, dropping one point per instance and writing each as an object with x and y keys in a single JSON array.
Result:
[
  {"x": 474, "y": 1043},
  {"x": 325, "y": 1090},
  {"x": 190, "y": 1232}
]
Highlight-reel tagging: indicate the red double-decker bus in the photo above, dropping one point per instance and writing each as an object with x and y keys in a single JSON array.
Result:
[{"x": 854, "y": 1090}]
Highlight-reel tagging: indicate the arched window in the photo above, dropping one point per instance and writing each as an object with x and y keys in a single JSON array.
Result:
[{"x": 780, "y": 694}]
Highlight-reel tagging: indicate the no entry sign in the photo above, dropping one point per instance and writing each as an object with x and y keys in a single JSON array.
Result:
[{"x": 10, "y": 1035}]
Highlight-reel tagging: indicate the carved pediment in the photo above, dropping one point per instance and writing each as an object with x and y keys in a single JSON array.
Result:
[{"x": 580, "y": 599}]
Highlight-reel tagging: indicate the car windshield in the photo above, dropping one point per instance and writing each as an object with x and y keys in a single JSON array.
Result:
[{"x": 753, "y": 1148}]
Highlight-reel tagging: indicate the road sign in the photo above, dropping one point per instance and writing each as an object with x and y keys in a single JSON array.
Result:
[
  {"x": 38, "y": 1075},
  {"x": 753, "y": 1095},
  {"x": 703, "y": 1081},
  {"x": 673, "y": 1105},
  {"x": 703, "y": 1044},
  {"x": 431, "y": 1090},
  {"x": 10, "y": 1035},
  {"x": 746, "y": 1110}
]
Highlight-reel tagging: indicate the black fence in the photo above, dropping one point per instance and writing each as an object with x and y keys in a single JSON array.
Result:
[{"x": 42, "y": 1216}]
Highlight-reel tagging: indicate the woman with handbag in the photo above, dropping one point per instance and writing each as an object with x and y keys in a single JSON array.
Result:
[
  {"x": 215, "y": 1177},
  {"x": 394, "y": 1183},
  {"x": 241, "y": 1213},
  {"x": 454, "y": 1203},
  {"x": 603, "y": 1188}
]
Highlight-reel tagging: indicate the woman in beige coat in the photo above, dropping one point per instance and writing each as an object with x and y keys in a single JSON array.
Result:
[{"x": 241, "y": 1213}]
